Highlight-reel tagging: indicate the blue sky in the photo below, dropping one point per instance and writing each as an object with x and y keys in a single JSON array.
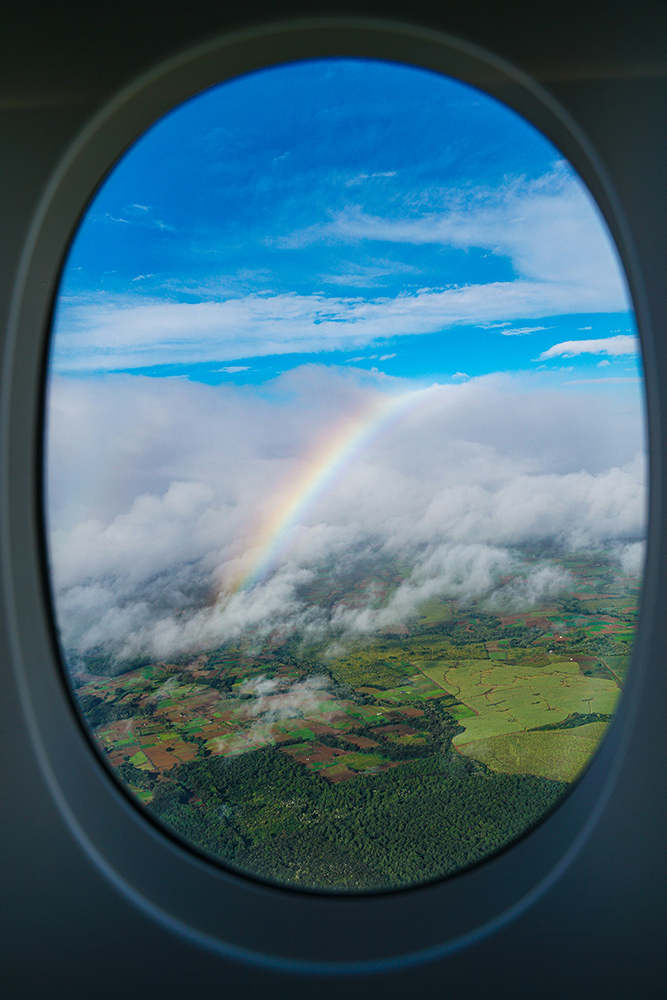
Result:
[{"x": 351, "y": 213}]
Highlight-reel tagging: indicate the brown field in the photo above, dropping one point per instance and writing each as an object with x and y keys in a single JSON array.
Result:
[
  {"x": 361, "y": 741},
  {"x": 510, "y": 619},
  {"x": 324, "y": 755},
  {"x": 340, "y": 720},
  {"x": 215, "y": 732},
  {"x": 162, "y": 759},
  {"x": 409, "y": 713},
  {"x": 119, "y": 730},
  {"x": 320, "y": 728}
]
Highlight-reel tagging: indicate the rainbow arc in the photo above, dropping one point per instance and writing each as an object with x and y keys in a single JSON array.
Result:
[{"x": 271, "y": 540}]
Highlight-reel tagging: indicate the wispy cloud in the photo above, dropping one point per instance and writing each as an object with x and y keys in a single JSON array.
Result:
[
  {"x": 521, "y": 331},
  {"x": 549, "y": 228},
  {"x": 360, "y": 178},
  {"x": 139, "y": 215},
  {"x": 109, "y": 334},
  {"x": 368, "y": 274}
]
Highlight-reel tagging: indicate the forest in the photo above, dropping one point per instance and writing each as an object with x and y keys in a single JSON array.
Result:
[{"x": 263, "y": 813}]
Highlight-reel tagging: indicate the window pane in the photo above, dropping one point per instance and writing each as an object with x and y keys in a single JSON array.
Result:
[{"x": 346, "y": 486}]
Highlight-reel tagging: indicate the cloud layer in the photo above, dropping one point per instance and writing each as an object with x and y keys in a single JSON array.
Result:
[{"x": 156, "y": 488}]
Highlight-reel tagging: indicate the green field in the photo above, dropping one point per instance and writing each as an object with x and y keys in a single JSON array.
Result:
[
  {"x": 363, "y": 761},
  {"x": 509, "y": 698},
  {"x": 436, "y": 610},
  {"x": 559, "y": 755},
  {"x": 619, "y": 665}
]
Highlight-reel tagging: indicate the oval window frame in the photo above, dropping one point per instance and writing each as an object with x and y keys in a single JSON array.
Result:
[{"x": 220, "y": 909}]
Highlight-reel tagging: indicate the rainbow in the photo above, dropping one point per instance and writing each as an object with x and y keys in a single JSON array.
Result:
[{"x": 272, "y": 538}]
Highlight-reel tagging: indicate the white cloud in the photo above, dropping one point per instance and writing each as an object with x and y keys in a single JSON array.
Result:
[
  {"x": 521, "y": 331},
  {"x": 612, "y": 380},
  {"x": 632, "y": 558},
  {"x": 112, "y": 334},
  {"x": 550, "y": 229},
  {"x": 233, "y": 369},
  {"x": 158, "y": 490},
  {"x": 367, "y": 273},
  {"x": 620, "y": 345},
  {"x": 274, "y": 699},
  {"x": 360, "y": 178}
]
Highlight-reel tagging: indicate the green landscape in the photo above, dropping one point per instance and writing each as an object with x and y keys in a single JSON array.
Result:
[{"x": 372, "y": 762}]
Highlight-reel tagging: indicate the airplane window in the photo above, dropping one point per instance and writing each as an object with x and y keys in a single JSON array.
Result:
[{"x": 345, "y": 474}]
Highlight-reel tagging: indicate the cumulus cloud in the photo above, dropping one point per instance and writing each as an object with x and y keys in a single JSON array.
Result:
[
  {"x": 524, "y": 591},
  {"x": 160, "y": 492},
  {"x": 269, "y": 700},
  {"x": 631, "y": 558},
  {"x": 276, "y": 698},
  {"x": 466, "y": 572},
  {"x": 620, "y": 345}
]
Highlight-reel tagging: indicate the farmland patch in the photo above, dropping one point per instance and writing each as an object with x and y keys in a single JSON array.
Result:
[{"x": 558, "y": 754}]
